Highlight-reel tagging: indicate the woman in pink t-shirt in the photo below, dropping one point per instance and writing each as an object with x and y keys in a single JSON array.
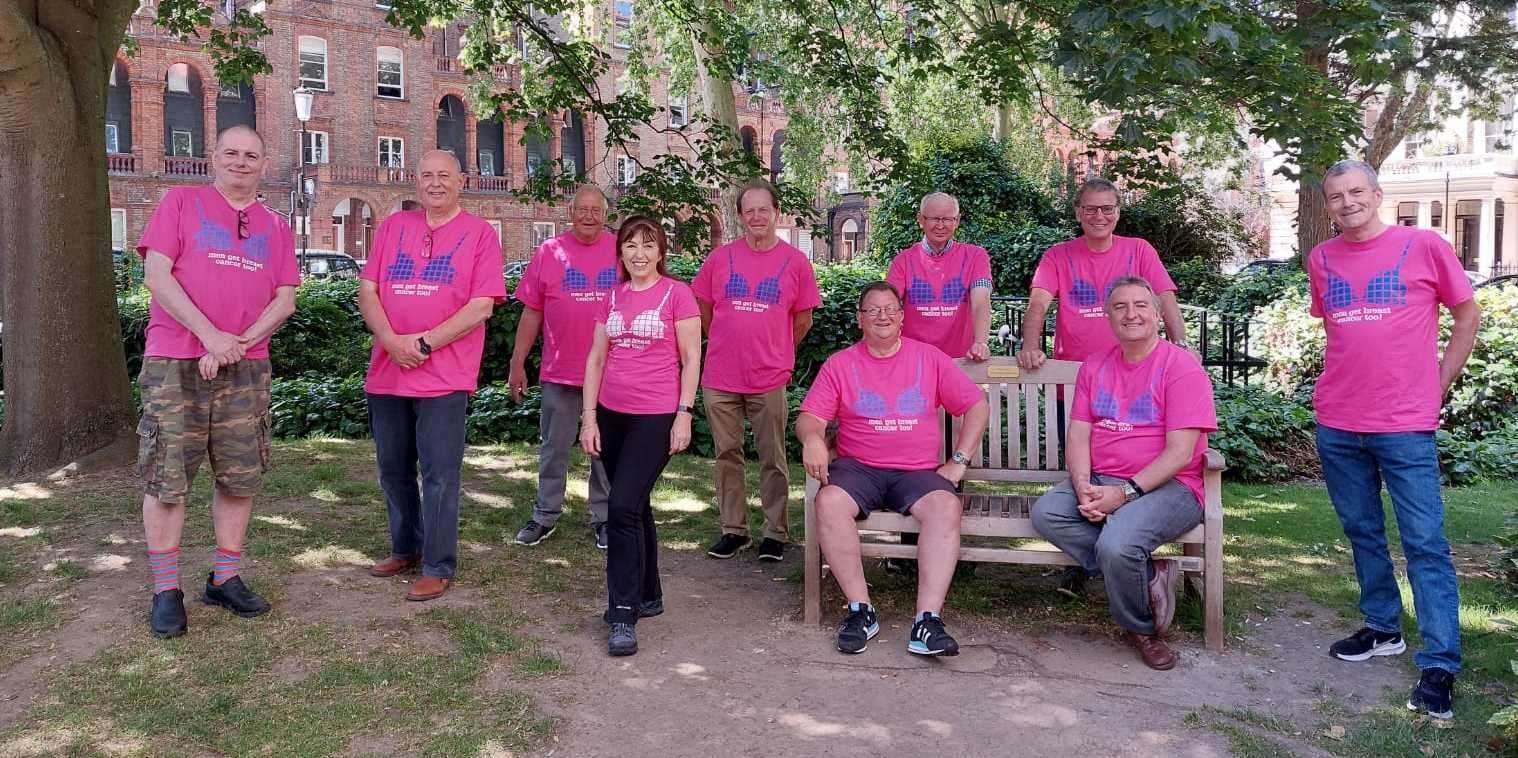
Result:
[{"x": 640, "y": 382}]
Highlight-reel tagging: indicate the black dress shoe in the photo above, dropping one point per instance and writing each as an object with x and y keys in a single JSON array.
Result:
[
  {"x": 235, "y": 597},
  {"x": 167, "y": 618}
]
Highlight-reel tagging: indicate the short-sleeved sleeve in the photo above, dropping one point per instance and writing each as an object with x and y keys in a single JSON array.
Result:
[
  {"x": 823, "y": 399},
  {"x": 603, "y": 308},
  {"x": 1046, "y": 276},
  {"x": 1152, "y": 269},
  {"x": 288, "y": 273},
  {"x": 1454, "y": 286},
  {"x": 1188, "y": 399},
  {"x": 980, "y": 269},
  {"x": 1080, "y": 409},
  {"x": 807, "y": 294},
  {"x": 162, "y": 231},
  {"x": 530, "y": 286},
  {"x": 896, "y": 276},
  {"x": 956, "y": 393},
  {"x": 683, "y": 303},
  {"x": 1314, "y": 291},
  {"x": 488, "y": 278},
  {"x": 371, "y": 269},
  {"x": 701, "y": 286}
]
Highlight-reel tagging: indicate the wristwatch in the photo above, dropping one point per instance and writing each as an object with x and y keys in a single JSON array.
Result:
[
  {"x": 960, "y": 458},
  {"x": 421, "y": 344},
  {"x": 1131, "y": 491},
  {"x": 682, "y": 409}
]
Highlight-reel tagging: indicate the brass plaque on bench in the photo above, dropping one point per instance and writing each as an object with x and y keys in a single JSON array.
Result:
[{"x": 1003, "y": 372}]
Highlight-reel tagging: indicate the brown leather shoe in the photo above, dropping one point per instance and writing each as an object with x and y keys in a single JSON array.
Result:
[
  {"x": 1156, "y": 654},
  {"x": 429, "y": 588},
  {"x": 394, "y": 565}
]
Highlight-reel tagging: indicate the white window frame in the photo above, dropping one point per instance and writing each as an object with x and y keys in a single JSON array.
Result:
[
  {"x": 569, "y": 166},
  {"x": 228, "y": 91},
  {"x": 627, "y": 171},
  {"x": 841, "y": 182},
  {"x": 485, "y": 162},
  {"x": 316, "y": 149},
  {"x": 398, "y": 59},
  {"x": 321, "y": 85},
  {"x": 118, "y": 221},
  {"x": 170, "y": 79},
  {"x": 112, "y": 137},
  {"x": 542, "y": 231},
  {"x": 621, "y": 30},
  {"x": 679, "y": 110},
  {"x": 397, "y": 152},
  {"x": 189, "y": 138},
  {"x": 496, "y": 225}
]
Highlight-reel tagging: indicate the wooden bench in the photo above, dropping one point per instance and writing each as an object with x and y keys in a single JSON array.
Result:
[{"x": 1022, "y": 403}]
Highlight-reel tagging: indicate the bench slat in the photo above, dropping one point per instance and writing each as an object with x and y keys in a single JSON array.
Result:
[
  {"x": 991, "y": 522},
  {"x": 1014, "y": 441},
  {"x": 1051, "y": 437},
  {"x": 993, "y": 399},
  {"x": 1030, "y": 420},
  {"x": 1004, "y": 555}
]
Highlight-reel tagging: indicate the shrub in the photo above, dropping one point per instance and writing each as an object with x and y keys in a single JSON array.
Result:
[
  {"x": 834, "y": 325},
  {"x": 319, "y": 406},
  {"x": 1264, "y": 435},
  {"x": 326, "y": 336},
  {"x": 1245, "y": 294}
]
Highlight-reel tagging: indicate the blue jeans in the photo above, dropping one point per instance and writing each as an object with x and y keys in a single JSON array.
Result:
[
  {"x": 426, "y": 433},
  {"x": 1354, "y": 466}
]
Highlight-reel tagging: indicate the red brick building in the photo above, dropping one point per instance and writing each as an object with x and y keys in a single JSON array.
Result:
[{"x": 381, "y": 100}]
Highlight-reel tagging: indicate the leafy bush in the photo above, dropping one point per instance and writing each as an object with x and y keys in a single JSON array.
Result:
[
  {"x": 834, "y": 325},
  {"x": 326, "y": 335},
  {"x": 319, "y": 406},
  {"x": 1184, "y": 222},
  {"x": 1264, "y": 436},
  {"x": 1246, "y": 293}
]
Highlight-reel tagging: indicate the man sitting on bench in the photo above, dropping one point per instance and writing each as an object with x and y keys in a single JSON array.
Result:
[
  {"x": 1134, "y": 450},
  {"x": 885, "y": 392}
]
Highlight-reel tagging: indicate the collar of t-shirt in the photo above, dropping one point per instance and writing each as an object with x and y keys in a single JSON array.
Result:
[{"x": 928, "y": 248}]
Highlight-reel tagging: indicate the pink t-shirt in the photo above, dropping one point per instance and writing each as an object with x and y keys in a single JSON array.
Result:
[
  {"x": 1081, "y": 279},
  {"x": 1131, "y": 406},
  {"x": 567, "y": 280},
  {"x": 230, "y": 280},
  {"x": 1379, "y": 301},
  {"x": 642, "y": 372},
  {"x": 937, "y": 292},
  {"x": 887, "y": 408},
  {"x": 425, "y": 276},
  {"x": 751, "y": 348}
]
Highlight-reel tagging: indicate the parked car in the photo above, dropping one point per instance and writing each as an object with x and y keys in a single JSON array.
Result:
[
  {"x": 1262, "y": 266},
  {"x": 514, "y": 269},
  {"x": 1506, "y": 280},
  {"x": 321, "y": 264}
]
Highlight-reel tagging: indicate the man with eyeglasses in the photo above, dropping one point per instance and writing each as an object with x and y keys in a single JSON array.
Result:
[
  {"x": 1379, "y": 289},
  {"x": 1138, "y": 434},
  {"x": 222, "y": 272},
  {"x": 940, "y": 277},
  {"x": 885, "y": 392},
  {"x": 1080, "y": 274},
  {"x": 756, "y": 296},
  {"x": 430, "y": 283},
  {"x": 561, "y": 291}
]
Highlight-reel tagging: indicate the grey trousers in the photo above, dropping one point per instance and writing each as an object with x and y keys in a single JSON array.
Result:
[
  {"x": 560, "y": 427},
  {"x": 1118, "y": 548}
]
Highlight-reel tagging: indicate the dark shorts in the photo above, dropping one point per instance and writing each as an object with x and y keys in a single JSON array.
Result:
[
  {"x": 884, "y": 489},
  {"x": 187, "y": 420}
]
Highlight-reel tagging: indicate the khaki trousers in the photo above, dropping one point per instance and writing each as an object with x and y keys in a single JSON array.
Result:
[{"x": 725, "y": 412}]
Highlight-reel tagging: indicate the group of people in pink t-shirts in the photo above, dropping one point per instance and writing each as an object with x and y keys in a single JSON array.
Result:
[{"x": 622, "y": 365}]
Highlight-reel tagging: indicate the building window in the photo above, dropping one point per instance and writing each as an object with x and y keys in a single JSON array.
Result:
[
  {"x": 627, "y": 171},
  {"x": 1407, "y": 214},
  {"x": 112, "y": 138},
  {"x": 313, "y": 63},
  {"x": 542, "y": 231},
  {"x": 179, "y": 78},
  {"x": 496, "y": 225},
  {"x": 1468, "y": 232},
  {"x": 487, "y": 162},
  {"x": 227, "y": 91},
  {"x": 804, "y": 241},
  {"x": 392, "y": 152},
  {"x": 622, "y": 16},
  {"x": 181, "y": 144},
  {"x": 570, "y": 167},
  {"x": 118, "y": 229},
  {"x": 1499, "y": 133},
  {"x": 1436, "y": 215},
  {"x": 391, "y": 72},
  {"x": 313, "y": 148},
  {"x": 679, "y": 110},
  {"x": 841, "y": 182},
  {"x": 1412, "y": 145}
]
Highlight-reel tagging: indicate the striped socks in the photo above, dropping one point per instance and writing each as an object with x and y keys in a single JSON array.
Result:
[
  {"x": 165, "y": 567},
  {"x": 226, "y": 565}
]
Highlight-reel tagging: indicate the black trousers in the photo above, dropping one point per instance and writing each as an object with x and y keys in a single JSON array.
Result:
[{"x": 634, "y": 452}]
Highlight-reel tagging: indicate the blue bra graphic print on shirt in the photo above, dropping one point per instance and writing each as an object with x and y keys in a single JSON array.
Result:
[
  {"x": 1385, "y": 288},
  {"x": 576, "y": 280},
  {"x": 768, "y": 290},
  {"x": 211, "y": 236},
  {"x": 909, "y": 403},
  {"x": 1143, "y": 409},
  {"x": 1083, "y": 291},
  {"x": 954, "y": 291},
  {"x": 439, "y": 270}
]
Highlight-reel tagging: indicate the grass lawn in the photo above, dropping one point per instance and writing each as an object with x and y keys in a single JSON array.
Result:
[{"x": 466, "y": 679}]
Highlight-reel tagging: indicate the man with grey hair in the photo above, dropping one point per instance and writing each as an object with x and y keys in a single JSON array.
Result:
[
  {"x": 562, "y": 291},
  {"x": 1135, "y": 449},
  {"x": 947, "y": 284},
  {"x": 430, "y": 283},
  {"x": 1378, "y": 289}
]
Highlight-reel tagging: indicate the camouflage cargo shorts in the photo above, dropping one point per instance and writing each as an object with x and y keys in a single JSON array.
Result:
[{"x": 186, "y": 418}]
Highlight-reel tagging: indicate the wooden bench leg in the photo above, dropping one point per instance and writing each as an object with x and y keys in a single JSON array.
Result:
[
  {"x": 811, "y": 607},
  {"x": 1192, "y": 583},
  {"x": 1212, "y": 579}
]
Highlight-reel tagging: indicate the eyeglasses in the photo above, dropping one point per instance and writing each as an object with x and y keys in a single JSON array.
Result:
[
  {"x": 593, "y": 211},
  {"x": 881, "y": 310},
  {"x": 242, "y": 225},
  {"x": 936, "y": 220},
  {"x": 1092, "y": 210}
]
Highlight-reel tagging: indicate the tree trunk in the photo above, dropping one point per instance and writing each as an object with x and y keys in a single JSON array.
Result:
[
  {"x": 722, "y": 109},
  {"x": 1002, "y": 129},
  {"x": 1312, "y": 217},
  {"x": 67, "y": 393}
]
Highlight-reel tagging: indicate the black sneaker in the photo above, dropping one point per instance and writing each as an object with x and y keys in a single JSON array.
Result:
[
  {"x": 599, "y": 529},
  {"x": 235, "y": 597},
  {"x": 651, "y": 608},
  {"x": 533, "y": 533},
  {"x": 771, "y": 550},
  {"x": 728, "y": 546},
  {"x": 1434, "y": 694},
  {"x": 1072, "y": 583},
  {"x": 167, "y": 619},
  {"x": 1367, "y": 642},
  {"x": 857, "y": 629},
  {"x": 623, "y": 640},
  {"x": 929, "y": 638}
]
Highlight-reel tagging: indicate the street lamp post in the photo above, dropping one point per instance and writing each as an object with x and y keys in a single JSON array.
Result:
[{"x": 305, "y": 187}]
